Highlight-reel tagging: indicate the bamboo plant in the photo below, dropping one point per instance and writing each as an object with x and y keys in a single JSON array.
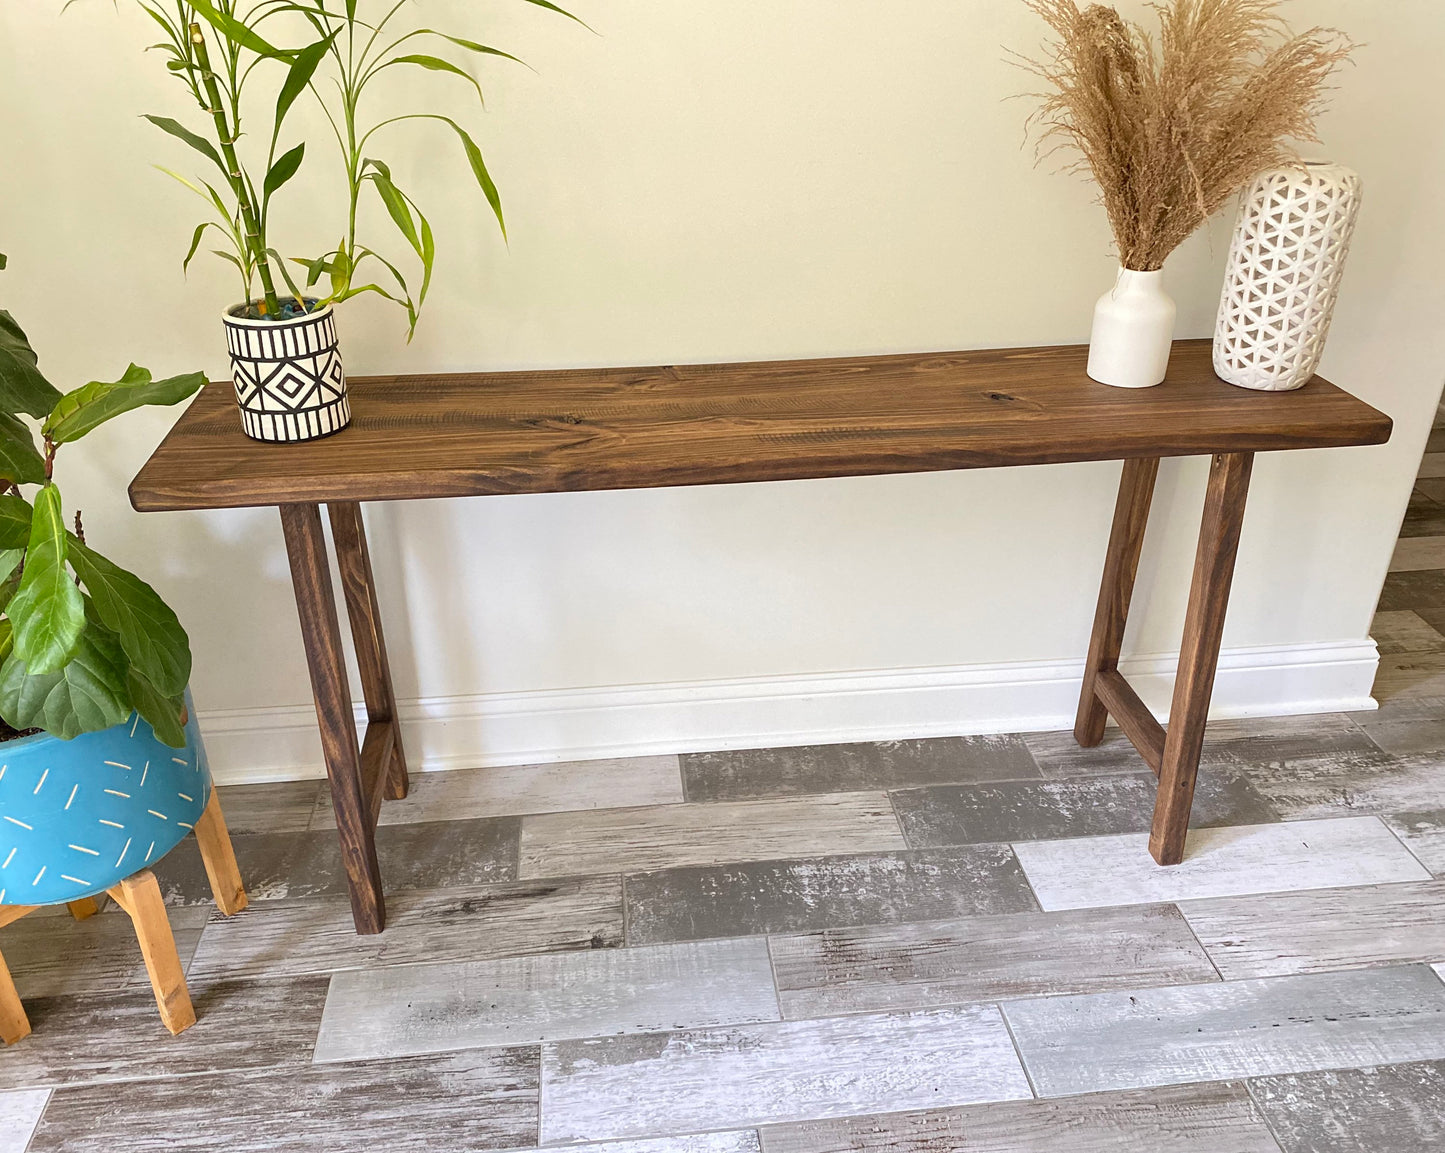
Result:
[
  {"x": 223, "y": 52},
  {"x": 83, "y": 642}
]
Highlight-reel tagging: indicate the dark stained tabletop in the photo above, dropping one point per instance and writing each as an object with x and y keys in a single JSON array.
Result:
[{"x": 473, "y": 434}]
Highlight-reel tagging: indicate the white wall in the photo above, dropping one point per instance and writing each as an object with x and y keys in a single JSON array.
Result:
[{"x": 709, "y": 181}]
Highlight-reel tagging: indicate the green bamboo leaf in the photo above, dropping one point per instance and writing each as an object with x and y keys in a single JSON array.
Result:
[
  {"x": 473, "y": 46},
  {"x": 284, "y": 168},
  {"x": 147, "y": 628},
  {"x": 562, "y": 12},
  {"x": 48, "y": 611},
  {"x": 22, "y": 387},
  {"x": 437, "y": 64},
  {"x": 86, "y": 694},
  {"x": 396, "y": 205},
  {"x": 91, "y": 405},
  {"x": 161, "y": 712},
  {"x": 20, "y": 461},
  {"x": 479, "y": 170},
  {"x": 428, "y": 258},
  {"x": 298, "y": 76},
  {"x": 237, "y": 31},
  {"x": 15, "y": 518},
  {"x": 181, "y": 132}
]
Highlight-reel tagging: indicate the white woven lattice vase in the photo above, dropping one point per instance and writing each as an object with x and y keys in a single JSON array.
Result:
[{"x": 1283, "y": 275}]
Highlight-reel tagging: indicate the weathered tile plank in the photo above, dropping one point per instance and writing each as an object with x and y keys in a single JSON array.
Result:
[
  {"x": 19, "y": 1113},
  {"x": 1369, "y": 783},
  {"x": 1386, "y": 1109},
  {"x": 466, "y": 1101},
  {"x": 1324, "y": 929},
  {"x": 57, "y": 956},
  {"x": 463, "y": 924},
  {"x": 1424, "y": 516},
  {"x": 918, "y": 966},
  {"x": 1412, "y": 674},
  {"x": 1423, "y": 834},
  {"x": 1404, "y": 631},
  {"x": 514, "y": 790},
  {"x": 275, "y": 866},
  {"x": 1096, "y": 871},
  {"x": 735, "y": 1078},
  {"x": 750, "y": 774},
  {"x": 282, "y": 807},
  {"x": 119, "y": 1036},
  {"x": 603, "y": 992},
  {"x": 1408, "y": 725},
  {"x": 1228, "y": 1030},
  {"x": 1413, "y": 590},
  {"x": 1207, "y": 1118},
  {"x": 1238, "y": 744},
  {"x": 1077, "y": 807},
  {"x": 1415, "y": 553},
  {"x": 666, "y": 836},
  {"x": 733, "y": 1141},
  {"x": 798, "y": 895}
]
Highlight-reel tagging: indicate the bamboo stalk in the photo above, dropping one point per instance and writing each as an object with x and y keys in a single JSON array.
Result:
[{"x": 233, "y": 171}]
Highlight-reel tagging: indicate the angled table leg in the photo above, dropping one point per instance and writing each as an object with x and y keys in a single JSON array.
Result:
[
  {"x": 1199, "y": 654},
  {"x": 353, "y": 561},
  {"x": 14, "y": 1024},
  {"x": 321, "y": 632},
  {"x": 1121, "y": 563}
]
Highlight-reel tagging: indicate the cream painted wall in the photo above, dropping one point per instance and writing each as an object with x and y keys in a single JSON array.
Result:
[{"x": 709, "y": 181}]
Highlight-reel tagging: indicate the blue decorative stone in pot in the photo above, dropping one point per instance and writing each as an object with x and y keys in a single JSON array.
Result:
[{"x": 78, "y": 816}]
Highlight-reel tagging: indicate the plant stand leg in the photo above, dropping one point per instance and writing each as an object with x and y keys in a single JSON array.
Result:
[
  {"x": 353, "y": 561},
  {"x": 1121, "y": 563},
  {"x": 1199, "y": 654},
  {"x": 219, "y": 858},
  {"x": 14, "y": 1024},
  {"x": 140, "y": 896},
  {"x": 83, "y": 908},
  {"x": 321, "y": 633}
]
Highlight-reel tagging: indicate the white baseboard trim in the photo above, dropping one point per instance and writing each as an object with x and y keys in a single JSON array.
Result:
[{"x": 276, "y": 744}]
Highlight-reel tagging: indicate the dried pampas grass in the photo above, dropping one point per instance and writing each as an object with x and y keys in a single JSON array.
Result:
[{"x": 1171, "y": 130}]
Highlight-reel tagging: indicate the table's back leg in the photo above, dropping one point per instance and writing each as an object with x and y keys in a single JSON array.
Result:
[
  {"x": 1199, "y": 654},
  {"x": 321, "y": 632},
  {"x": 1121, "y": 562},
  {"x": 353, "y": 561}
]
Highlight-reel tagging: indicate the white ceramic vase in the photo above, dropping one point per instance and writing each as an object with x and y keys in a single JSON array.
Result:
[
  {"x": 1133, "y": 331},
  {"x": 1283, "y": 275},
  {"x": 290, "y": 385}
]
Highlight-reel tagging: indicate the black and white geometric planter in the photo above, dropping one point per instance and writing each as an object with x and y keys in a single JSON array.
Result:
[{"x": 288, "y": 375}]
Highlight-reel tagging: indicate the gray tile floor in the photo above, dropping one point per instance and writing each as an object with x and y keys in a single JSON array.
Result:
[{"x": 936, "y": 946}]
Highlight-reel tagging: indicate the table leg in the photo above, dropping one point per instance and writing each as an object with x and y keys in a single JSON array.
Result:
[
  {"x": 1121, "y": 563},
  {"x": 353, "y": 561},
  {"x": 1199, "y": 654},
  {"x": 321, "y": 632}
]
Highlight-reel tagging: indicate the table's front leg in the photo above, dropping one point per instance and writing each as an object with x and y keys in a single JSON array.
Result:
[
  {"x": 1199, "y": 655},
  {"x": 321, "y": 633}
]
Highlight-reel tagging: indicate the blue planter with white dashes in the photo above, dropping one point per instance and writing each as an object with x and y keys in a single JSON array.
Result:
[{"x": 78, "y": 816}]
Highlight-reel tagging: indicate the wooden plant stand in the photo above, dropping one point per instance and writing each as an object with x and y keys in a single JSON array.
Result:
[
  {"x": 487, "y": 434},
  {"x": 139, "y": 895}
]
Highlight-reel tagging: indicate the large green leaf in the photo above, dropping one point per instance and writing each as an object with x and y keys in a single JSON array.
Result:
[
  {"x": 15, "y": 517},
  {"x": 22, "y": 387},
  {"x": 91, "y": 405},
  {"x": 10, "y": 559},
  {"x": 163, "y": 713},
  {"x": 437, "y": 64},
  {"x": 48, "y": 611},
  {"x": 284, "y": 168},
  {"x": 199, "y": 143},
  {"x": 238, "y": 32},
  {"x": 149, "y": 632},
  {"x": 85, "y": 695},
  {"x": 479, "y": 170},
  {"x": 20, "y": 461},
  {"x": 298, "y": 76}
]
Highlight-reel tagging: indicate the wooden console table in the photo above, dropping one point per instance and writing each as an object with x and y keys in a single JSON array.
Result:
[{"x": 484, "y": 434}]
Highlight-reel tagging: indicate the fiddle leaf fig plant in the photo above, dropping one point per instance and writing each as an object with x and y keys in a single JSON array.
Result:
[{"x": 83, "y": 642}]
